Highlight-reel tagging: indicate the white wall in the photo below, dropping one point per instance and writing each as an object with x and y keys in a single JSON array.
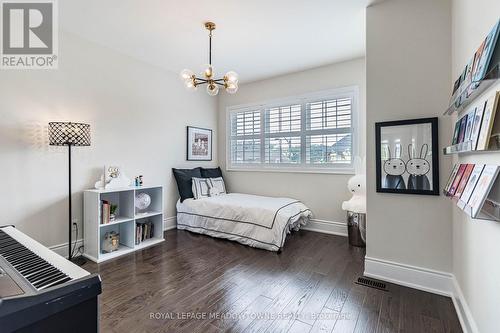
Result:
[
  {"x": 476, "y": 243},
  {"x": 138, "y": 115},
  {"x": 408, "y": 55},
  {"x": 323, "y": 193}
]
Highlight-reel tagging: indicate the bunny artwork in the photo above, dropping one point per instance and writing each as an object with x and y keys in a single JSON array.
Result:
[
  {"x": 394, "y": 169},
  {"x": 357, "y": 187},
  {"x": 418, "y": 167}
]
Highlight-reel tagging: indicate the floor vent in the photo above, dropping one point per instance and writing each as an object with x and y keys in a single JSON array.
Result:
[{"x": 367, "y": 282}]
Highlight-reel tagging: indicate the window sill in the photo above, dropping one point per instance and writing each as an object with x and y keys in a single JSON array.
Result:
[{"x": 343, "y": 171}]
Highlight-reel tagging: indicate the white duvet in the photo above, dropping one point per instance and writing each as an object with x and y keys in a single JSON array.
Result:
[{"x": 252, "y": 220}]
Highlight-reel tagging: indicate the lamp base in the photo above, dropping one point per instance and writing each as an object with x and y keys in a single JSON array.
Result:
[{"x": 80, "y": 260}]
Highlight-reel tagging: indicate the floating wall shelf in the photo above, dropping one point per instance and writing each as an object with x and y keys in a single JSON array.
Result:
[
  {"x": 469, "y": 94},
  {"x": 466, "y": 148}
]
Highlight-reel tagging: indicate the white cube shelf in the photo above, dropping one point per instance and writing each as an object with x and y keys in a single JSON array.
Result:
[{"x": 127, "y": 216}]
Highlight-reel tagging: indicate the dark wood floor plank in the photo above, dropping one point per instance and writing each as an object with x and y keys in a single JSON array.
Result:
[
  {"x": 299, "y": 327},
  {"x": 389, "y": 311},
  {"x": 326, "y": 321},
  {"x": 191, "y": 274},
  {"x": 349, "y": 314},
  {"x": 370, "y": 311},
  {"x": 295, "y": 306}
]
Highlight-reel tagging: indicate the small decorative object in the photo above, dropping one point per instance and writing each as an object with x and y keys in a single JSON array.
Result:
[
  {"x": 229, "y": 81},
  {"x": 111, "y": 242},
  {"x": 199, "y": 144},
  {"x": 356, "y": 206},
  {"x": 136, "y": 181},
  {"x": 140, "y": 180},
  {"x": 142, "y": 201},
  {"x": 357, "y": 187},
  {"x": 112, "y": 211},
  {"x": 407, "y": 156},
  {"x": 113, "y": 177},
  {"x": 112, "y": 172}
]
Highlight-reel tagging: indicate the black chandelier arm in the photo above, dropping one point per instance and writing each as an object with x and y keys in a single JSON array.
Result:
[{"x": 200, "y": 81}]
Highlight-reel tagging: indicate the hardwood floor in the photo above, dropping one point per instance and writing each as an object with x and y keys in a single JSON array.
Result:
[{"x": 194, "y": 283}]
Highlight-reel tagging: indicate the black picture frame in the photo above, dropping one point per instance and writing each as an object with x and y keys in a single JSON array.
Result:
[
  {"x": 189, "y": 146},
  {"x": 414, "y": 185}
]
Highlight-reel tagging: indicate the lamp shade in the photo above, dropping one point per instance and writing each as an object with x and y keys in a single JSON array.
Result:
[{"x": 67, "y": 133}]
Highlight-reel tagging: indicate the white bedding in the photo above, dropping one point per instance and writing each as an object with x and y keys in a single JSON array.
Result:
[{"x": 252, "y": 220}]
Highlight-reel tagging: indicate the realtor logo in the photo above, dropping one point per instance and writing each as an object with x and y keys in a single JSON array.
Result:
[{"x": 29, "y": 34}]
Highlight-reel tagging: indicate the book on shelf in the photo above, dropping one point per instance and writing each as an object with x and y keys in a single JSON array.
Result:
[
  {"x": 489, "y": 47},
  {"x": 143, "y": 231},
  {"x": 463, "y": 127},
  {"x": 476, "y": 125},
  {"x": 464, "y": 180},
  {"x": 477, "y": 67},
  {"x": 481, "y": 190},
  {"x": 471, "y": 184},
  {"x": 470, "y": 122},
  {"x": 456, "y": 132},
  {"x": 105, "y": 211},
  {"x": 453, "y": 174},
  {"x": 456, "y": 180},
  {"x": 487, "y": 121}
]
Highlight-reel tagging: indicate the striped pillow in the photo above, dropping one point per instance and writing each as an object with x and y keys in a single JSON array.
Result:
[{"x": 208, "y": 187}]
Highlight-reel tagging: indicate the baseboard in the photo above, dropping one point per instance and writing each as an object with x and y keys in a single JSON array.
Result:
[
  {"x": 463, "y": 312},
  {"x": 436, "y": 282},
  {"x": 327, "y": 227},
  {"x": 170, "y": 223},
  {"x": 62, "y": 249}
]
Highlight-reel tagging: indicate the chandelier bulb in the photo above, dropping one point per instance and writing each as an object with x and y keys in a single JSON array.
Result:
[{"x": 212, "y": 89}]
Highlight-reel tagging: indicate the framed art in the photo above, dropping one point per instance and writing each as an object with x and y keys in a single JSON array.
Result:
[
  {"x": 199, "y": 144},
  {"x": 407, "y": 156}
]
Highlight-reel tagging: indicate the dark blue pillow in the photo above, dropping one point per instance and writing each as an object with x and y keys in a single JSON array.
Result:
[
  {"x": 211, "y": 173},
  {"x": 183, "y": 177}
]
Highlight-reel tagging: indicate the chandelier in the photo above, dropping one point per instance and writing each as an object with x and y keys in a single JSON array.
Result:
[{"x": 229, "y": 81}]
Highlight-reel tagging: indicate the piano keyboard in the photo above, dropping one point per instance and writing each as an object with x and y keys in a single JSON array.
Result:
[{"x": 41, "y": 267}]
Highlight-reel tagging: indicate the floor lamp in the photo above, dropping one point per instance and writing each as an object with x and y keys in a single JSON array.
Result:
[{"x": 69, "y": 134}]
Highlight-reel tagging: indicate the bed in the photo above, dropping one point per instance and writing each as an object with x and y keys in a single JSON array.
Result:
[{"x": 252, "y": 220}]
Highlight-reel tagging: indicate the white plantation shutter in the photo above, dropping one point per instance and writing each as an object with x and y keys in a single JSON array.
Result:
[
  {"x": 329, "y": 131},
  {"x": 245, "y": 137},
  {"x": 312, "y": 133}
]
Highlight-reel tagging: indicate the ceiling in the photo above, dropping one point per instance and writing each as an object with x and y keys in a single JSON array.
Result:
[{"x": 256, "y": 38}]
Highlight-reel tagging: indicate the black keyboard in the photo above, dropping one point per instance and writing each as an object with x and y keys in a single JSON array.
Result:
[
  {"x": 36, "y": 270},
  {"x": 40, "y": 291}
]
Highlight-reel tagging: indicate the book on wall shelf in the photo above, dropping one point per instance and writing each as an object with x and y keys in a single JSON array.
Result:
[
  {"x": 472, "y": 185},
  {"x": 479, "y": 128},
  {"x": 481, "y": 71}
]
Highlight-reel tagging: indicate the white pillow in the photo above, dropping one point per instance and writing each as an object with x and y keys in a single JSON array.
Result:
[
  {"x": 217, "y": 186},
  {"x": 208, "y": 187}
]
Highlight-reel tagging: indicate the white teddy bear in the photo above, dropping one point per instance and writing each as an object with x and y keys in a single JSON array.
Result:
[{"x": 357, "y": 186}]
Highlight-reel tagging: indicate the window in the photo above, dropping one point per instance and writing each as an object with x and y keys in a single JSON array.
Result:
[{"x": 309, "y": 133}]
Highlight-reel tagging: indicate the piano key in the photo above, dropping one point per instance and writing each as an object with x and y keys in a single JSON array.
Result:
[
  {"x": 16, "y": 258},
  {"x": 29, "y": 263},
  {"x": 49, "y": 279},
  {"x": 66, "y": 279},
  {"x": 40, "y": 274},
  {"x": 31, "y": 269}
]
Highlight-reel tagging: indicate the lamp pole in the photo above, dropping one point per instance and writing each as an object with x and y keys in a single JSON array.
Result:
[{"x": 70, "y": 232}]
